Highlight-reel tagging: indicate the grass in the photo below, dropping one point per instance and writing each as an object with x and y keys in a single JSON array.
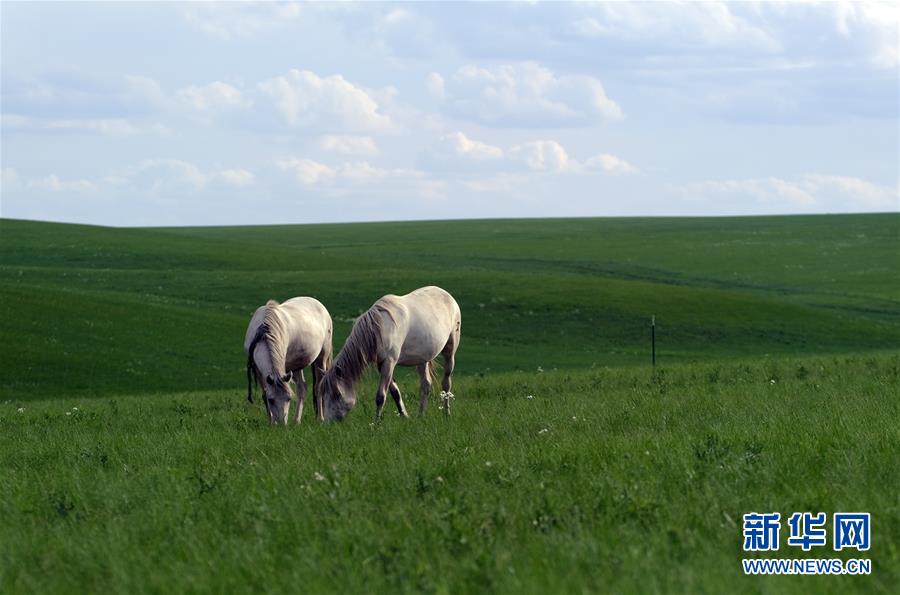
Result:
[
  {"x": 150, "y": 304},
  {"x": 778, "y": 391},
  {"x": 607, "y": 480}
]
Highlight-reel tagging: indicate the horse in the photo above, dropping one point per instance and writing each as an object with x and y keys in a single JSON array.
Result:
[
  {"x": 407, "y": 330},
  {"x": 281, "y": 340}
]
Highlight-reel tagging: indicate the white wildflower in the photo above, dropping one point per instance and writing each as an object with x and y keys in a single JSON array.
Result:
[
  {"x": 574, "y": 418},
  {"x": 540, "y": 369},
  {"x": 543, "y": 431},
  {"x": 439, "y": 479},
  {"x": 487, "y": 464},
  {"x": 319, "y": 477},
  {"x": 68, "y": 413},
  {"x": 21, "y": 410},
  {"x": 772, "y": 381},
  {"x": 530, "y": 397}
]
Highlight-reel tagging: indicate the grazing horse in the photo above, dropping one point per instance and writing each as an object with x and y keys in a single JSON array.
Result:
[
  {"x": 281, "y": 340},
  {"x": 407, "y": 330}
]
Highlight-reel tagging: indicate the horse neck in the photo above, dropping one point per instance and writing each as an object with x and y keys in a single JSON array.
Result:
[
  {"x": 266, "y": 362},
  {"x": 352, "y": 361}
]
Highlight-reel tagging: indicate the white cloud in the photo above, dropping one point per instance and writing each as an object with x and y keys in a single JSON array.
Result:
[
  {"x": 155, "y": 176},
  {"x": 688, "y": 25},
  {"x": 860, "y": 191},
  {"x": 306, "y": 100},
  {"x": 307, "y": 171},
  {"x": 806, "y": 191},
  {"x": 876, "y": 25},
  {"x": 176, "y": 176},
  {"x": 349, "y": 145},
  {"x": 229, "y": 20},
  {"x": 54, "y": 184},
  {"x": 529, "y": 95},
  {"x": 435, "y": 85},
  {"x": 543, "y": 155},
  {"x": 459, "y": 145},
  {"x": 214, "y": 96},
  {"x": 237, "y": 177},
  {"x": 611, "y": 164},
  {"x": 464, "y": 155}
]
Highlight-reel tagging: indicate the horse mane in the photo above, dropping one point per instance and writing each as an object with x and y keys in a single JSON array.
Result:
[
  {"x": 361, "y": 347},
  {"x": 272, "y": 331}
]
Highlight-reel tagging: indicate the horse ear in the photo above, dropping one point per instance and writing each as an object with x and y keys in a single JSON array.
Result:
[
  {"x": 338, "y": 372},
  {"x": 269, "y": 380},
  {"x": 287, "y": 377}
]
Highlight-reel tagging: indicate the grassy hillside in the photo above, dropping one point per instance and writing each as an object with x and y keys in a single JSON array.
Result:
[
  {"x": 569, "y": 465},
  {"x": 99, "y": 310}
]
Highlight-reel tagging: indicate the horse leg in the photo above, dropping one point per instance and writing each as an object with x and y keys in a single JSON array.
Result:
[
  {"x": 387, "y": 374},
  {"x": 301, "y": 394},
  {"x": 424, "y": 386},
  {"x": 318, "y": 370},
  {"x": 449, "y": 355},
  {"x": 398, "y": 399}
]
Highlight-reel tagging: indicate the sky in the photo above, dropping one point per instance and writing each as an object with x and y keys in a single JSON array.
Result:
[{"x": 135, "y": 114}]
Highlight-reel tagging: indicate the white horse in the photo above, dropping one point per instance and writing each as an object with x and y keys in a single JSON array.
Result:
[
  {"x": 281, "y": 340},
  {"x": 408, "y": 330}
]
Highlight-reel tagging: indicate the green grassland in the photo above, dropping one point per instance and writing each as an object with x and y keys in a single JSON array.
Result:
[{"x": 130, "y": 460}]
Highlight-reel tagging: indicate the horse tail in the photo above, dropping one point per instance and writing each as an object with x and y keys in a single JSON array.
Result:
[
  {"x": 329, "y": 358},
  {"x": 429, "y": 371},
  {"x": 250, "y": 367}
]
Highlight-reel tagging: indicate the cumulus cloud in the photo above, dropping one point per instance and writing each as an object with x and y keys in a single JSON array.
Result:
[
  {"x": 348, "y": 145},
  {"x": 688, "y": 26},
  {"x": 861, "y": 191},
  {"x": 237, "y": 177},
  {"x": 611, "y": 164},
  {"x": 306, "y": 171},
  {"x": 458, "y": 144},
  {"x": 300, "y": 99},
  {"x": 176, "y": 176},
  {"x": 54, "y": 184},
  {"x": 306, "y": 100},
  {"x": 804, "y": 192},
  {"x": 309, "y": 172},
  {"x": 542, "y": 155},
  {"x": 876, "y": 25},
  {"x": 463, "y": 154},
  {"x": 527, "y": 94}
]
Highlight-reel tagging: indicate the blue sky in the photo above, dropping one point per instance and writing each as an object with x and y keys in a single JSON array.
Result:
[{"x": 237, "y": 113}]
